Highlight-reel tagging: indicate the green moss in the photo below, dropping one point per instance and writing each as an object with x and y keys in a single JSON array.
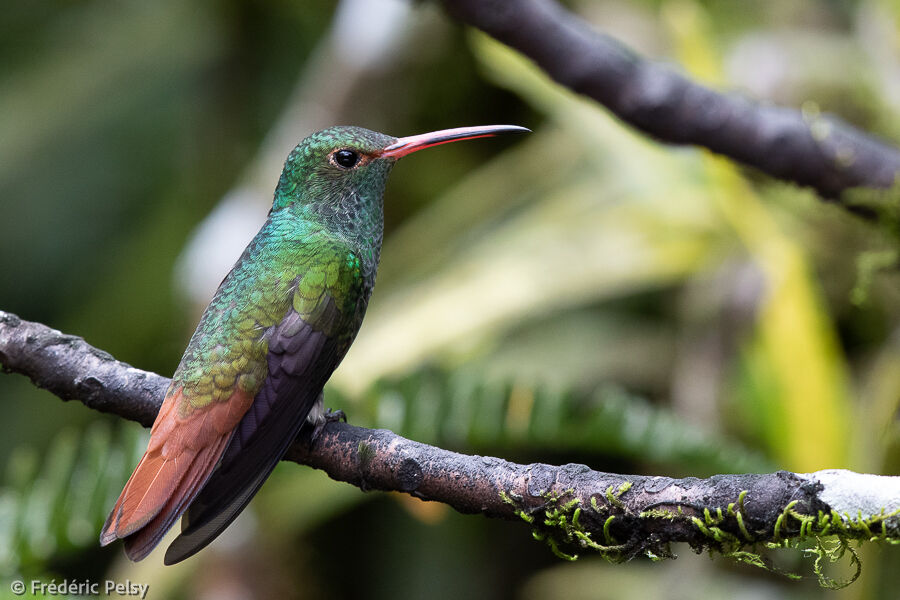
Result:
[
  {"x": 365, "y": 453},
  {"x": 794, "y": 530},
  {"x": 558, "y": 523},
  {"x": 566, "y": 526}
]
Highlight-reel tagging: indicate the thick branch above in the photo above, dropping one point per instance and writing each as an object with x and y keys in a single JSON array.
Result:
[
  {"x": 570, "y": 506},
  {"x": 823, "y": 153}
]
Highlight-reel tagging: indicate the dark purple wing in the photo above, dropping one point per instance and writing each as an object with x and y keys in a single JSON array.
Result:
[{"x": 301, "y": 358}]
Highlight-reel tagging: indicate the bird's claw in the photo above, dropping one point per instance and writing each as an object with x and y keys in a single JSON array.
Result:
[
  {"x": 335, "y": 415},
  {"x": 329, "y": 416}
]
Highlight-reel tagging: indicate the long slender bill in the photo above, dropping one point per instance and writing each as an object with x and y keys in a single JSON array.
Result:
[{"x": 413, "y": 143}]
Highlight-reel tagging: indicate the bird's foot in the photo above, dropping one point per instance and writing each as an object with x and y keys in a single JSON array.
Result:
[
  {"x": 329, "y": 416},
  {"x": 335, "y": 415}
]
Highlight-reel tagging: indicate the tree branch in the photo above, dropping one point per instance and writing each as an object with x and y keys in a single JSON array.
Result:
[
  {"x": 72, "y": 369},
  {"x": 571, "y": 507},
  {"x": 823, "y": 153}
]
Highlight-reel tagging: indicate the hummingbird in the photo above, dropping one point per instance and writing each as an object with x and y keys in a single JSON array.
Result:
[{"x": 276, "y": 329}]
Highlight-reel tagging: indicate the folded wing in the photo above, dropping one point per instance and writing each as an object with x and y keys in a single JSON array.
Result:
[{"x": 304, "y": 350}]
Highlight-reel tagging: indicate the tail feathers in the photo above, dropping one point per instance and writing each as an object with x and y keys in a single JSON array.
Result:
[
  {"x": 182, "y": 453},
  {"x": 194, "y": 538},
  {"x": 140, "y": 543},
  {"x": 241, "y": 474}
]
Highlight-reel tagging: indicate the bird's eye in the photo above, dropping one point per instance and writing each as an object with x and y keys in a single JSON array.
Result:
[{"x": 346, "y": 158}]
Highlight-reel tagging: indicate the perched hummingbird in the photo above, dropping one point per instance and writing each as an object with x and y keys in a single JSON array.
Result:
[{"x": 276, "y": 329}]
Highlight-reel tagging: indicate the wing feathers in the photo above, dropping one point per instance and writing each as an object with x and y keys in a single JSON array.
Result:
[
  {"x": 298, "y": 367},
  {"x": 212, "y": 460}
]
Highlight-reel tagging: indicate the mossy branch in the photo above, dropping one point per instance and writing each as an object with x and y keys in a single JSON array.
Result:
[{"x": 571, "y": 507}]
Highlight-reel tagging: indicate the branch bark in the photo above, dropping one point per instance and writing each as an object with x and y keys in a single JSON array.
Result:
[
  {"x": 572, "y": 507},
  {"x": 823, "y": 153}
]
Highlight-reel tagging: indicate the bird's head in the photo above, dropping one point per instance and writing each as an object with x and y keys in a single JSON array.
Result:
[{"x": 340, "y": 167}]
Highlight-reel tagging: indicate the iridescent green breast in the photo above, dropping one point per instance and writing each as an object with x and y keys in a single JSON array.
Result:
[{"x": 290, "y": 264}]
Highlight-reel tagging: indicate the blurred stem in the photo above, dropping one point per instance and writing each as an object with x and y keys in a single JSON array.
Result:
[{"x": 823, "y": 153}]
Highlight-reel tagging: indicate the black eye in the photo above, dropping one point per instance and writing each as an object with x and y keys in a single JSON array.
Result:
[{"x": 346, "y": 158}]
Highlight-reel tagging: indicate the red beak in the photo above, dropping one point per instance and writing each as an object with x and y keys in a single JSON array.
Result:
[{"x": 413, "y": 143}]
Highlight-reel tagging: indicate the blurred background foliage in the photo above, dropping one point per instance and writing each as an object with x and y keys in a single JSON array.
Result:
[{"x": 582, "y": 294}]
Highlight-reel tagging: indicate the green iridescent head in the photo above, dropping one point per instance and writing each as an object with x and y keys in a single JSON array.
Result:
[
  {"x": 338, "y": 163},
  {"x": 333, "y": 167}
]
